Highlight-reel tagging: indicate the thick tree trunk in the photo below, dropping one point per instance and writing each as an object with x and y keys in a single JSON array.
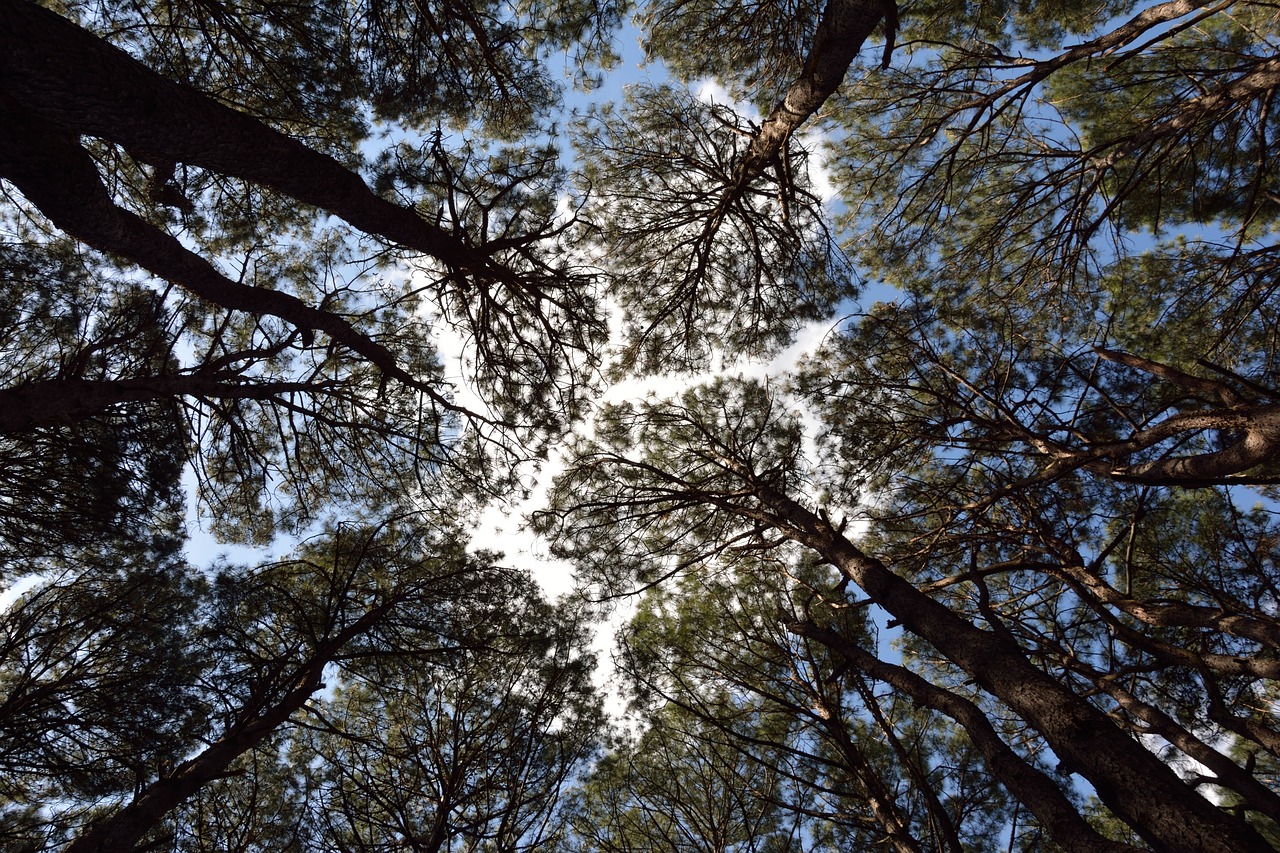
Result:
[
  {"x": 74, "y": 80},
  {"x": 1031, "y": 787},
  {"x": 1259, "y": 443},
  {"x": 120, "y": 832},
  {"x": 60, "y": 401},
  {"x": 1254, "y": 794},
  {"x": 1145, "y": 792},
  {"x": 59, "y": 178},
  {"x": 1258, "y": 428},
  {"x": 844, "y": 27}
]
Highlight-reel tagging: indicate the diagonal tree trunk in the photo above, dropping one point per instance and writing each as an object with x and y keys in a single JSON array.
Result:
[
  {"x": 121, "y": 831},
  {"x": 75, "y": 81},
  {"x": 1129, "y": 779},
  {"x": 59, "y": 401},
  {"x": 1029, "y": 785},
  {"x": 844, "y": 27},
  {"x": 59, "y": 178}
]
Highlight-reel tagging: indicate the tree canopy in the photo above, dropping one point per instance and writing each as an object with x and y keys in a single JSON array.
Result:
[{"x": 991, "y": 566}]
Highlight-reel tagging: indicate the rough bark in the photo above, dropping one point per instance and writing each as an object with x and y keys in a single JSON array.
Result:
[
  {"x": 1255, "y": 795},
  {"x": 1258, "y": 82},
  {"x": 1259, "y": 442},
  {"x": 120, "y": 832},
  {"x": 1146, "y": 793},
  {"x": 1032, "y": 788},
  {"x": 1175, "y": 613},
  {"x": 844, "y": 26},
  {"x": 74, "y": 80}
]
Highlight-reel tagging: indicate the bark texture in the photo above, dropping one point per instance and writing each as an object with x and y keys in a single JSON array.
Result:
[
  {"x": 73, "y": 80},
  {"x": 1033, "y": 788},
  {"x": 1129, "y": 779},
  {"x": 844, "y": 27},
  {"x": 120, "y": 832}
]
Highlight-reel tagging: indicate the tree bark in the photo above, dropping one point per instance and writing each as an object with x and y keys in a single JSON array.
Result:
[
  {"x": 60, "y": 179},
  {"x": 1031, "y": 787},
  {"x": 76, "y": 81},
  {"x": 1174, "y": 613},
  {"x": 1255, "y": 795},
  {"x": 1259, "y": 442},
  {"x": 844, "y": 26},
  {"x": 59, "y": 401},
  {"x": 120, "y": 832},
  {"x": 1259, "y": 81},
  {"x": 1143, "y": 791}
]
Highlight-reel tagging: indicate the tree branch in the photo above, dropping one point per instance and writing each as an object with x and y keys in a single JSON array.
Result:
[
  {"x": 60, "y": 179},
  {"x": 120, "y": 832},
  {"x": 1133, "y": 783}
]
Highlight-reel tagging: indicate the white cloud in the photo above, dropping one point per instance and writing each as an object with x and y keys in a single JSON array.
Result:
[{"x": 14, "y": 591}]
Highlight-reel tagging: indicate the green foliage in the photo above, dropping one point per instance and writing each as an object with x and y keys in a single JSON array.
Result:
[
  {"x": 78, "y": 489},
  {"x": 682, "y": 786},
  {"x": 695, "y": 270},
  {"x": 760, "y": 46},
  {"x": 478, "y": 749},
  {"x": 321, "y": 70},
  {"x": 99, "y": 679},
  {"x": 994, "y": 544},
  {"x": 460, "y": 716}
]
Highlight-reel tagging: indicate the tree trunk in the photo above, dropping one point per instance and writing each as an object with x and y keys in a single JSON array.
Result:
[
  {"x": 1142, "y": 790},
  {"x": 60, "y": 401},
  {"x": 56, "y": 175},
  {"x": 845, "y": 25},
  {"x": 120, "y": 832},
  {"x": 74, "y": 80},
  {"x": 1028, "y": 785}
]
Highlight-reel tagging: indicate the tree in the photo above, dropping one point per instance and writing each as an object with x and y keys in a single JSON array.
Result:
[
  {"x": 825, "y": 762},
  {"x": 108, "y": 476},
  {"x": 201, "y": 266},
  {"x": 477, "y": 753},
  {"x": 710, "y": 484},
  {"x": 716, "y": 235},
  {"x": 1046, "y": 434},
  {"x": 465, "y": 739},
  {"x": 679, "y": 786},
  {"x": 697, "y": 270},
  {"x": 132, "y": 698},
  {"x": 98, "y": 676},
  {"x": 270, "y": 356},
  {"x": 1038, "y": 460}
]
